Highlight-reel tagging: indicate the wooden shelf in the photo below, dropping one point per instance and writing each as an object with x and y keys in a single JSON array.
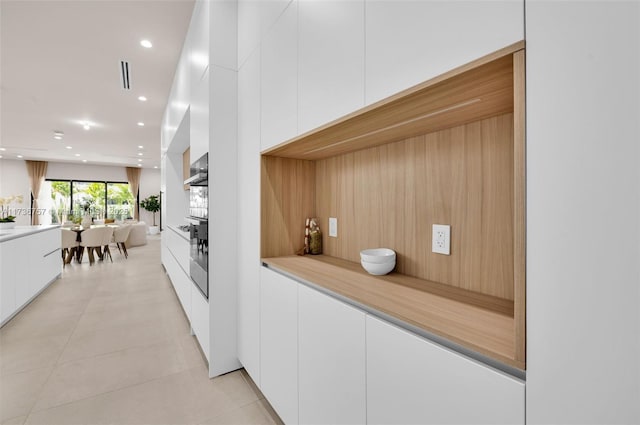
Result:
[{"x": 479, "y": 322}]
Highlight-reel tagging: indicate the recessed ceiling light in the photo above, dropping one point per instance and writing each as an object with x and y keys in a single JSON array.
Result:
[
  {"x": 140, "y": 154},
  {"x": 57, "y": 134},
  {"x": 140, "y": 124},
  {"x": 139, "y": 165},
  {"x": 77, "y": 154},
  {"x": 3, "y": 149},
  {"x": 146, "y": 43},
  {"x": 139, "y": 160},
  {"x": 142, "y": 98},
  {"x": 19, "y": 156},
  {"x": 84, "y": 160},
  {"x": 57, "y": 137},
  {"x": 69, "y": 147},
  {"x": 155, "y": 166},
  {"x": 0, "y": 156},
  {"x": 86, "y": 127},
  {"x": 140, "y": 147}
]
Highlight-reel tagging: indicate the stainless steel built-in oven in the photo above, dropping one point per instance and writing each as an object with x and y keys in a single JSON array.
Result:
[{"x": 198, "y": 224}]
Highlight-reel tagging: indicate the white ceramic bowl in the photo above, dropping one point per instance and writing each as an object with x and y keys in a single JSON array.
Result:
[
  {"x": 378, "y": 269},
  {"x": 378, "y": 255}
]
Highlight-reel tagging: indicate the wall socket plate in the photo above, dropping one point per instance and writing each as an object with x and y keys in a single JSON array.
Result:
[
  {"x": 333, "y": 227},
  {"x": 441, "y": 239}
]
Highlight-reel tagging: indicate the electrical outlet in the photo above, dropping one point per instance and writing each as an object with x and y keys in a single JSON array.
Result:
[
  {"x": 333, "y": 227},
  {"x": 441, "y": 239}
]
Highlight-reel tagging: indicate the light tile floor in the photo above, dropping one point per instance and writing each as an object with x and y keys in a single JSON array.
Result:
[{"x": 109, "y": 344}]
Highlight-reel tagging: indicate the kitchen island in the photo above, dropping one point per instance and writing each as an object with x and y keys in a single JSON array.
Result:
[{"x": 30, "y": 261}]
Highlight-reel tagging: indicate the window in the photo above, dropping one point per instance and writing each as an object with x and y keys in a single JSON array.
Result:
[{"x": 71, "y": 199}]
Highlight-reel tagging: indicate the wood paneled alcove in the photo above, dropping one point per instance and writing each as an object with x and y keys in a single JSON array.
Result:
[{"x": 448, "y": 151}]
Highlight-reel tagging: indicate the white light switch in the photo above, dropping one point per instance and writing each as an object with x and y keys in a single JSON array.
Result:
[
  {"x": 441, "y": 239},
  {"x": 333, "y": 227}
]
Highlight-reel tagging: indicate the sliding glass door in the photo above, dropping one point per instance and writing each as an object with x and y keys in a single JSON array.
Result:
[{"x": 72, "y": 199}]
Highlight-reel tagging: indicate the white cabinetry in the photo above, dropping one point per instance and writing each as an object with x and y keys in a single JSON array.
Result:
[
  {"x": 174, "y": 250},
  {"x": 408, "y": 42},
  {"x": 27, "y": 265},
  {"x": 279, "y": 343},
  {"x": 331, "y": 63},
  {"x": 200, "y": 320},
  {"x": 279, "y": 80},
  {"x": 331, "y": 350},
  {"x": 411, "y": 380},
  {"x": 249, "y": 215},
  {"x": 199, "y": 119}
]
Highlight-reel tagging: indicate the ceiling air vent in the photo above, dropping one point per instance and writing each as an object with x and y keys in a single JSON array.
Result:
[{"x": 124, "y": 75}]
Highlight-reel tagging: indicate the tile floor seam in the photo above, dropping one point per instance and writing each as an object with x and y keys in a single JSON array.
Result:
[
  {"x": 107, "y": 392},
  {"x": 55, "y": 364}
]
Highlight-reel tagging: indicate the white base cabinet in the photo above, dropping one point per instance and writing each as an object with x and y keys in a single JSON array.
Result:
[
  {"x": 279, "y": 343},
  {"x": 331, "y": 360},
  {"x": 411, "y": 380},
  {"x": 27, "y": 265}
]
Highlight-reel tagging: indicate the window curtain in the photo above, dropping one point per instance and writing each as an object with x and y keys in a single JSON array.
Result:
[
  {"x": 133, "y": 175},
  {"x": 37, "y": 171}
]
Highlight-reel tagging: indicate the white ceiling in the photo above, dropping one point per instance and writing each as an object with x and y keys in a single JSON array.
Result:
[{"x": 60, "y": 65}]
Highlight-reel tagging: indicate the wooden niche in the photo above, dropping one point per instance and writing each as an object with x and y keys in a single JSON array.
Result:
[{"x": 447, "y": 151}]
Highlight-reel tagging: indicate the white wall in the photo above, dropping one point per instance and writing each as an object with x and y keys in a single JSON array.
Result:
[
  {"x": 14, "y": 180},
  {"x": 583, "y": 212}
]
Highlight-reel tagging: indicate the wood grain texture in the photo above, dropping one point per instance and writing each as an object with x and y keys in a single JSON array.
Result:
[
  {"x": 472, "y": 320},
  {"x": 519, "y": 205},
  {"x": 287, "y": 198},
  {"x": 391, "y": 195},
  {"x": 186, "y": 165},
  {"x": 480, "y": 89}
]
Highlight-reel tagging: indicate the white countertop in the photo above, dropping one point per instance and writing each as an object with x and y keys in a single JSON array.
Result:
[{"x": 20, "y": 231}]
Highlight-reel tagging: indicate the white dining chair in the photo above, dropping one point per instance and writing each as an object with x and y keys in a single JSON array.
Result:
[
  {"x": 106, "y": 240},
  {"x": 92, "y": 240},
  {"x": 69, "y": 245},
  {"x": 120, "y": 235}
]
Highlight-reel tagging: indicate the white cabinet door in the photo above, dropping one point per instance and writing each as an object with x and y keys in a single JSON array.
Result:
[
  {"x": 279, "y": 80},
  {"x": 249, "y": 215},
  {"x": 8, "y": 278},
  {"x": 331, "y": 64},
  {"x": 411, "y": 380},
  {"x": 331, "y": 356},
  {"x": 199, "y": 119},
  {"x": 410, "y": 41},
  {"x": 279, "y": 343},
  {"x": 200, "y": 319},
  {"x": 198, "y": 43}
]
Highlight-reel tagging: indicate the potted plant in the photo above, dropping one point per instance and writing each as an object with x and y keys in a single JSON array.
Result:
[
  {"x": 8, "y": 221},
  {"x": 152, "y": 204}
]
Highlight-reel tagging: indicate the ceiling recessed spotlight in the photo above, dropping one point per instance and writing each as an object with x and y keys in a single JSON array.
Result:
[
  {"x": 57, "y": 137},
  {"x": 86, "y": 127},
  {"x": 140, "y": 154},
  {"x": 69, "y": 147},
  {"x": 77, "y": 154},
  {"x": 139, "y": 165},
  {"x": 57, "y": 134},
  {"x": 3, "y": 149},
  {"x": 142, "y": 98},
  {"x": 140, "y": 147},
  {"x": 19, "y": 156},
  {"x": 84, "y": 160},
  {"x": 139, "y": 160},
  {"x": 140, "y": 124},
  {"x": 155, "y": 166},
  {"x": 0, "y": 156},
  {"x": 146, "y": 44}
]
